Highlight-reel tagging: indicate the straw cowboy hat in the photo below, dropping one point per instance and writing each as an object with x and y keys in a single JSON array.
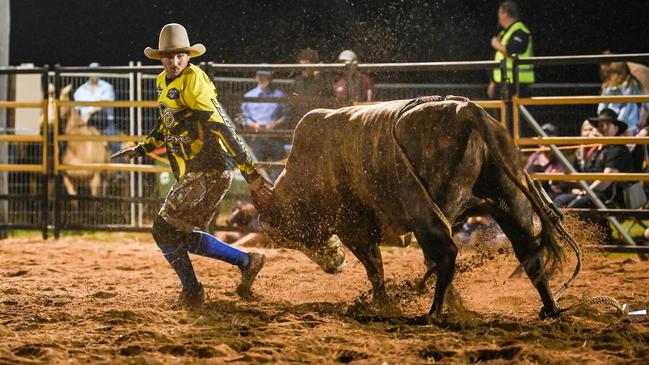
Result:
[{"x": 173, "y": 38}]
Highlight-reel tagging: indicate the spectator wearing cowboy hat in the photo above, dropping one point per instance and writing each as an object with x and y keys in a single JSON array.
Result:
[
  {"x": 202, "y": 148},
  {"x": 606, "y": 158}
]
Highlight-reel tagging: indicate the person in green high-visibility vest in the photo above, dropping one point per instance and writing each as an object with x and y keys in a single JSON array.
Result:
[{"x": 514, "y": 38}]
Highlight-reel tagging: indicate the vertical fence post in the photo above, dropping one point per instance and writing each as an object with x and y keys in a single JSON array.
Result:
[
  {"x": 516, "y": 93},
  {"x": 516, "y": 79},
  {"x": 505, "y": 94},
  {"x": 139, "y": 131},
  {"x": 4, "y": 61},
  {"x": 55, "y": 154},
  {"x": 44, "y": 146},
  {"x": 131, "y": 131}
]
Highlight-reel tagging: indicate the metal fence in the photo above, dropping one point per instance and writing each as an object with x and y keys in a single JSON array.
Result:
[
  {"x": 129, "y": 194},
  {"x": 522, "y": 113},
  {"x": 23, "y": 158}
]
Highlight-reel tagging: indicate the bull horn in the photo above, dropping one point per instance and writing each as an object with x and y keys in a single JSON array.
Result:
[{"x": 329, "y": 256}]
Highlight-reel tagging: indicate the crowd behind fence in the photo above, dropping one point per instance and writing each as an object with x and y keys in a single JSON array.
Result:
[{"x": 130, "y": 193}]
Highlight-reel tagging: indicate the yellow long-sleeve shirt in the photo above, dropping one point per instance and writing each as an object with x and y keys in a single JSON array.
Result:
[{"x": 194, "y": 127}]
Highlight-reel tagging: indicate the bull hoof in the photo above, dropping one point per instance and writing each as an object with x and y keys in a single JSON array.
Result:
[
  {"x": 549, "y": 313},
  {"x": 330, "y": 257},
  {"x": 381, "y": 299},
  {"x": 332, "y": 269}
]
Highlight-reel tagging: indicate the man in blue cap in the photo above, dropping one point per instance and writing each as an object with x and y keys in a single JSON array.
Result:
[{"x": 260, "y": 116}]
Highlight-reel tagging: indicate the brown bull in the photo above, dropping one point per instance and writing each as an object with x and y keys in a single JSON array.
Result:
[{"x": 347, "y": 176}]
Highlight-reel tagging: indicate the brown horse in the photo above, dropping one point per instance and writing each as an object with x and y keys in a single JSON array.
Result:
[{"x": 81, "y": 152}]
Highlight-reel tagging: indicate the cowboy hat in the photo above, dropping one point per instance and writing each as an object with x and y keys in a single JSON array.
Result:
[
  {"x": 609, "y": 115},
  {"x": 173, "y": 38}
]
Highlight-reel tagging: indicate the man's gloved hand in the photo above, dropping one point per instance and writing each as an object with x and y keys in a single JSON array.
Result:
[
  {"x": 261, "y": 191},
  {"x": 127, "y": 152}
]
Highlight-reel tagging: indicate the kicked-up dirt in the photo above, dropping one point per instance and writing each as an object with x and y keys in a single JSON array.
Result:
[{"x": 109, "y": 299}]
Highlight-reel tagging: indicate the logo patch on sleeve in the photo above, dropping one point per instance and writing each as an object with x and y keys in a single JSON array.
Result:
[{"x": 173, "y": 93}]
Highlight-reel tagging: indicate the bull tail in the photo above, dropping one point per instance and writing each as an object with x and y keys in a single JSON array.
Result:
[{"x": 554, "y": 252}]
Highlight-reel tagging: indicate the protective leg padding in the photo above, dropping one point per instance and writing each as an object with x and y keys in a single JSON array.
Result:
[
  {"x": 204, "y": 244},
  {"x": 172, "y": 244}
]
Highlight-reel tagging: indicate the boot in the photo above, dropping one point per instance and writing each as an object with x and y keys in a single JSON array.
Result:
[
  {"x": 249, "y": 273},
  {"x": 191, "y": 298}
]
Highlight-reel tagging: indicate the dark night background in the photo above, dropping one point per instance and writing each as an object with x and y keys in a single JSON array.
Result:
[{"x": 113, "y": 32}]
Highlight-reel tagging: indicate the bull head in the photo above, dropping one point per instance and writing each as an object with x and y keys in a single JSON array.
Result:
[{"x": 283, "y": 219}]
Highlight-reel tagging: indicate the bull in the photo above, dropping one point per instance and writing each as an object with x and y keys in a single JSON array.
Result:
[{"x": 363, "y": 175}]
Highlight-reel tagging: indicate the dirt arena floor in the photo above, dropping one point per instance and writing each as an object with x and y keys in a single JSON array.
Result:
[{"x": 107, "y": 298}]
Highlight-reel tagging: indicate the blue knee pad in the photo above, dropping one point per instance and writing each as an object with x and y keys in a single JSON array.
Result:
[
  {"x": 204, "y": 244},
  {"x": 173, "y": 247}
]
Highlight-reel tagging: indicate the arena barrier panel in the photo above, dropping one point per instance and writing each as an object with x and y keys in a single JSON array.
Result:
[
  {"x": 24, "y": 161},
  {"x": 120, "y": 201},
  {"x": 135, "y": 110},
  {"x": 520, "y": 109},
  {"x": 135, "y": 114}
]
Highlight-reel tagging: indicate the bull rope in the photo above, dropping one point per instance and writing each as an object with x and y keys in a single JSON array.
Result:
[
  {"x": 429, "y": 199},
  {"x": 534, "y": 193}
]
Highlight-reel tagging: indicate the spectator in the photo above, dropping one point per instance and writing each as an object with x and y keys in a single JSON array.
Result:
[
  {"x": 621, "y": 82},
  {"x": 545, "y": 161},
  {"x": 607, "y": 159},
  {"x": 244, "y": 216},
  {"x": 605, "y": 68},
  {"x": 539, "y": 160},
  {"x": 102, "y": 118},
  {"x": 353, "y": 86},
  {"x": 514, "y": 38},
  {"x": 640, "y": 152},
  {"x": 260, "y": 116},
  {"x": 584, "y": 152},
  {"x": 312, "y": 89},
  {"x": 641, "y": 73}
]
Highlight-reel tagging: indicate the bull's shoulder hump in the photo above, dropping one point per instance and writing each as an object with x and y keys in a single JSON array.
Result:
[
  {"x": 449, "y": 106},
  {"x": 315, "y": 117}
]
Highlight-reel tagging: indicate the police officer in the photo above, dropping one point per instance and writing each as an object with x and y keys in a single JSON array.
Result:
[
  {"x": 202, "y": 148},
  {"x": 514, "y": 38}
]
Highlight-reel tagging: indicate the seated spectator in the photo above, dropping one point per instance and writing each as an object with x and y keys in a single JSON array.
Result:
[
  {"x": 621, "y": 82},
  {"x": 312, "y": 89},
  {"x": 539, "y": 160},
  {"x": 640, "y": 152},
  {"x": 102, "y": 118},
  {"x": 478, "y": 224},
  {"x": 606, "y": 158},
  {"x": 545, "y": 161},
  {"x": 261, "y": 116},
  {"x": 584, "y": 152},
  {"x": 353, "y": 86},
  {"x": 244, "y": 216}
]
